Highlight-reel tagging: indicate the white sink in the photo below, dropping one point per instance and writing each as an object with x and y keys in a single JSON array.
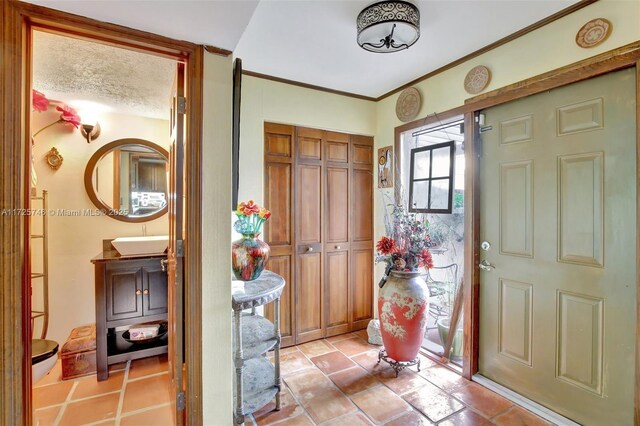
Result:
[{"x": 127, "y": 246}]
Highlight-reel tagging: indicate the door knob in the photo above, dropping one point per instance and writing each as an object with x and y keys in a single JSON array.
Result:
[
  {"x": 138, "y": 292},
  {"x": 310, "y": 249},
  {"x": 486, "y": 246},
  {"x": 486, "y": 266},
  {"x": 145, "y": 291},
  {"x": 163, "y": 264},
  {"x": 338, "y": 247}
]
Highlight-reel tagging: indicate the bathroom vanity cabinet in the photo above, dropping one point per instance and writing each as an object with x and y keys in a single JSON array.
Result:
[
  {"x": 129, "y": 290},
  {"x": 257, "y": 380}
]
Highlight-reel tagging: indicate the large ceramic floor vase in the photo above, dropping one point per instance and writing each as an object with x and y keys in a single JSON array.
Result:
[
  {"x": 249, "y": 256},
  {"x": 403, "y": 305}
]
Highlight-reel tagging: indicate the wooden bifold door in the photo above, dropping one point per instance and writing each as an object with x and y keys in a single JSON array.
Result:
[{"x": 319, "y": 188}]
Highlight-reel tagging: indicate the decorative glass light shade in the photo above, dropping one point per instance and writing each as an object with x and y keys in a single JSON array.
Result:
[{"x": 388, "y": 26}]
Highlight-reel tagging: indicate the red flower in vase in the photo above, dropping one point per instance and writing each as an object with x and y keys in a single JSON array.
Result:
[
  {"x": 426, "y": 259},
  {"x": 69, "y": 115},
  {"x": 249, "y": 208},
  {"x": 40, "y": 101},
  {"x": 386, "y": 245}
]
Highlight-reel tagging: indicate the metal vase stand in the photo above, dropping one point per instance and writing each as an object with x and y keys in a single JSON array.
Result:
[{"x": 397, "y": 366}]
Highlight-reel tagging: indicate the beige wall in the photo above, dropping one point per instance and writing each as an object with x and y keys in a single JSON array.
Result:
[
  {"x": 542, "y": 50},
  {"x": 217, "y": 366},
  {"x": 73, "y": 241},
  {"x": 269, "y": 101}
]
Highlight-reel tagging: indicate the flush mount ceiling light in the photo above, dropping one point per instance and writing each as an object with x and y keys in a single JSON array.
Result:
[{"x": 388, "y": 26}]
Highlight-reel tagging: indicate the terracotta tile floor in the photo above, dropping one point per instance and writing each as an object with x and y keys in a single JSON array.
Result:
[
  {"x": 337, "y": 381},
  {"x": 136, "y": 394}
]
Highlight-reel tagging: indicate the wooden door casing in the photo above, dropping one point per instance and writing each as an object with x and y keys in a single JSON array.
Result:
[{"x": 175, "y": 256}]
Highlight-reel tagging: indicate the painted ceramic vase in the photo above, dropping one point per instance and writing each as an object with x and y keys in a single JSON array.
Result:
[
  {"x": 403, "y": 305},
  {"x": 249, "y": 256}
]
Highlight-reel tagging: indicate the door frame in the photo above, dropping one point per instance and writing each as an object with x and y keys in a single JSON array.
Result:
[
  {"x": 15, "y": 53},
  {"x": 623, "y": 57}
]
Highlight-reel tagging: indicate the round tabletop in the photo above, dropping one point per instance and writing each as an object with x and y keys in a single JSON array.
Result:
[{"x": 249, "y": 294}]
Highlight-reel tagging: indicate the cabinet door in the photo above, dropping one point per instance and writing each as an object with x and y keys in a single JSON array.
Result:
[
  {"x": 361, "y": 262},
  {"x": 279, "y": 148},
  {"x": 337, "y": 292},
  {"x": 336, "y": 247},
  {"x": 155, "y": 293},
  {"x": 309, "y": 227},
  {"x": 124, "y": 292}
]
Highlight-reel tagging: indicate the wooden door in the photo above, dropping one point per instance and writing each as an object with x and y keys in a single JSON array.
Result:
[
  {"x": 309, "y": 231},
  {"x": 175, "y": 252},
  {"x": 361, "y": 198},
  {"x": 558, "y": 206},
  {"x": 336, "y": 233},
  {"x": 279, "y": 148}
]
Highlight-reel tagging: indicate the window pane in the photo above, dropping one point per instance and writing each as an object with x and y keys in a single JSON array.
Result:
[
  {"x": 441, "y": 162},
  {"x": 420, "y": 195},
  {"x": 440, "y": 194},
  {"x": 421, "y": 165}
]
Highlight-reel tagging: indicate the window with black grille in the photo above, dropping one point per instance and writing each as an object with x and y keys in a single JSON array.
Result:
[{"x": 431, "y": 178}]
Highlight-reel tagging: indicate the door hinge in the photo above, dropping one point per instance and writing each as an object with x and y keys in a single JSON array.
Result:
[
  {"x": 182, "y": 105},
  {"x": 179, "y": 248},
  {"x": 181, "y": 401}
]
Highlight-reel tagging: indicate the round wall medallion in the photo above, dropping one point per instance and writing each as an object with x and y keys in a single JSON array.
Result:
[
  {"x": 593, "y": 32},
  {"x": 477, "y": 79},
  {"x": 54, "y": 159},
  {"x": 408, "y": 104}
]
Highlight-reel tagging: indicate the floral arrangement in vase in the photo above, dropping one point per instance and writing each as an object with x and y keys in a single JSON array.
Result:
[
  {"x": 405, "y": 248},
  {"x": 403, "y": 299},
  {"x": 249, "y": 254}
]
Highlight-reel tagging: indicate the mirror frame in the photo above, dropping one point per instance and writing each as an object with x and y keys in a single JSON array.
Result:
[{"x": 91, "y": 192}]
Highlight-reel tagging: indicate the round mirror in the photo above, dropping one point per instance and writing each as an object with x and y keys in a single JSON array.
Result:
[{"x": 127, "y": 179}]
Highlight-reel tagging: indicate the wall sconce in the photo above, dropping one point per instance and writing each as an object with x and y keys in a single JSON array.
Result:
[{"x": 90, "y": 132}]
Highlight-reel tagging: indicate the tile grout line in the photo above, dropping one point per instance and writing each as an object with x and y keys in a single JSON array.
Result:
[
  {"x": 137, "y": 379},
  {"x": 144, "y": 410},
  {"x": 125, "y": 380},
  {"x": 58, "y": 419}
]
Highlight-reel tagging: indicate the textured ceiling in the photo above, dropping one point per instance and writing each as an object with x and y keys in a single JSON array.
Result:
[{"x": 124, "y": 81}]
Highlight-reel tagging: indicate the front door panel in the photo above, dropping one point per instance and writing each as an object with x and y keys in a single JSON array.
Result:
[{"x": 558, "y": 206}]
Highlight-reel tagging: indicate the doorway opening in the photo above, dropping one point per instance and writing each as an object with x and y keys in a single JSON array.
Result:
[
  {"x": 103, "y": 123},
  {"x": 431, "y": 168}
]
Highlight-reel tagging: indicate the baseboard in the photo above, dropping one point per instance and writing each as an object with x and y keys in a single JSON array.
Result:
[{"x": 534, "y": 407}]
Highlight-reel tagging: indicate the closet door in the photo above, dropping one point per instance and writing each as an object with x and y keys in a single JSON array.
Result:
[
  {"x": 336, "y": 237},
  {"x": 361, "y": 180},
  {"x": 279, "y": 149},
  {"x": 309, "y": 231}
]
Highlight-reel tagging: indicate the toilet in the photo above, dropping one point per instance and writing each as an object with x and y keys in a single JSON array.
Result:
[{"x": 43, "y": 358}]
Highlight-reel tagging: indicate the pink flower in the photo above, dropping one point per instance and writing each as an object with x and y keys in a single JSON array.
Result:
[
  {"x": 40, "y": 101},
  {"x": 69, "y": 115}
]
